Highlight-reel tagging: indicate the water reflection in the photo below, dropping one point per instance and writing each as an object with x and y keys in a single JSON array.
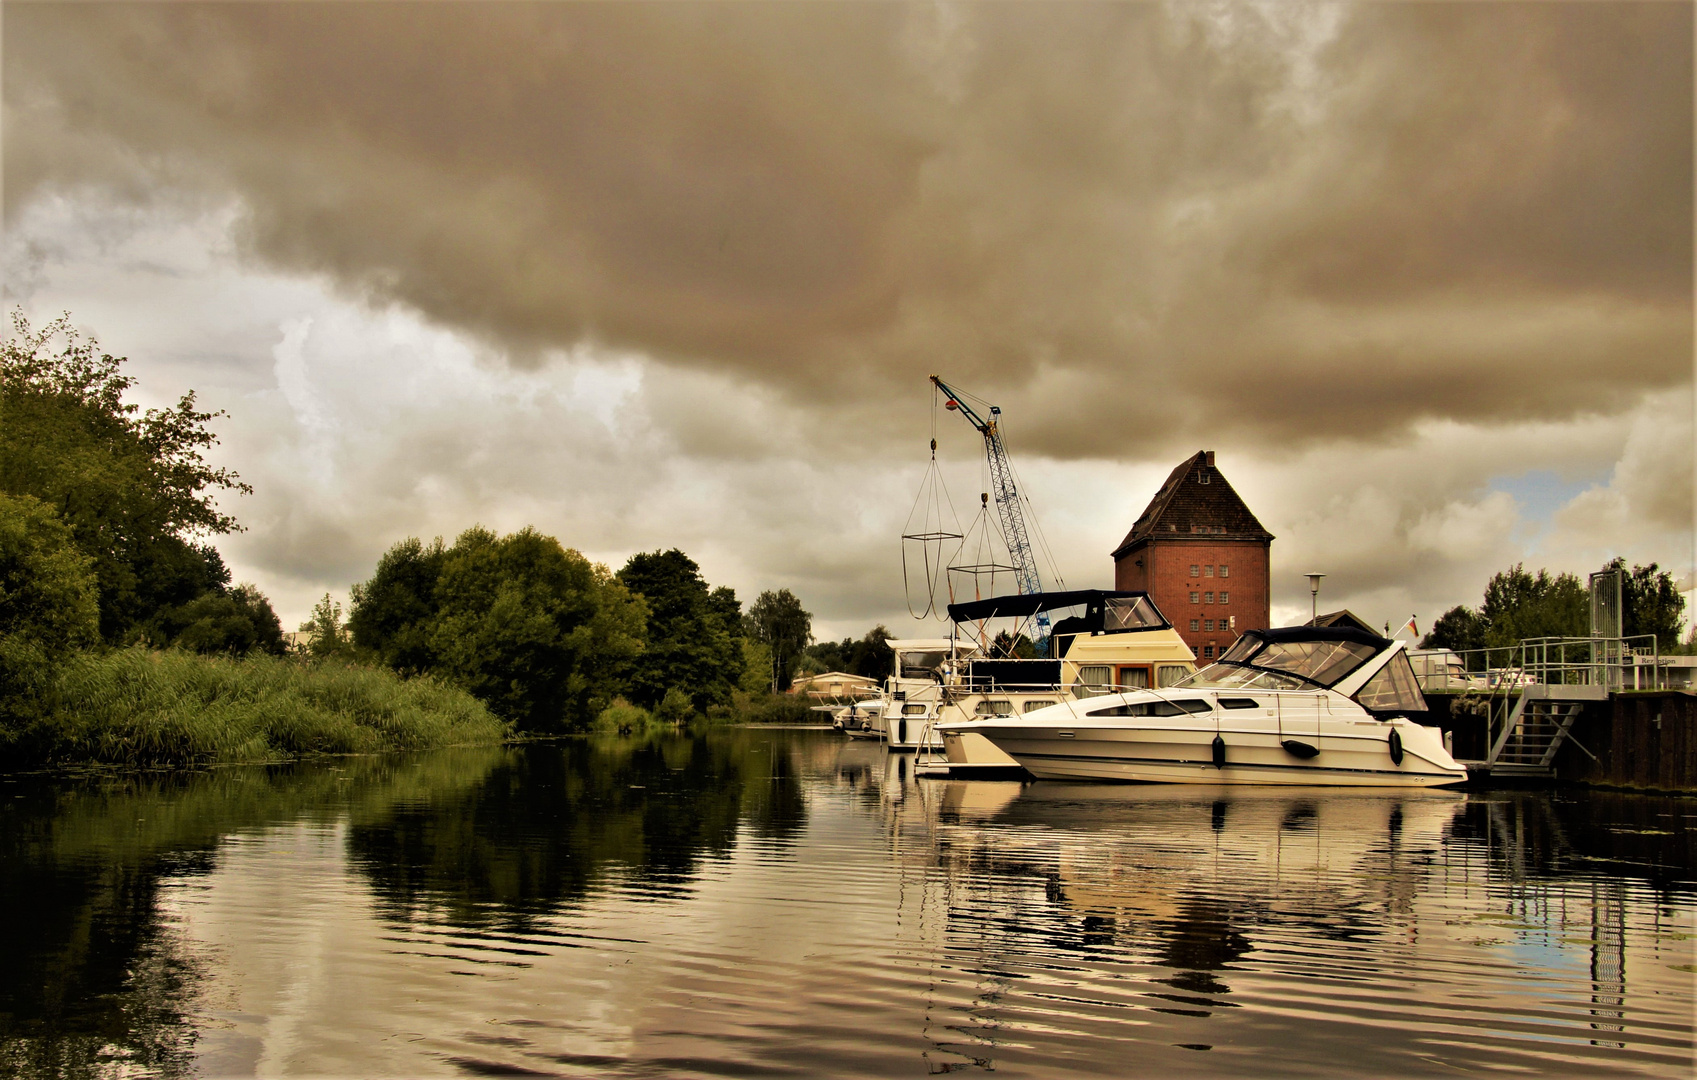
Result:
[
  {"x": 751, "y": 901},
  {"x": 547, "y": 824}
]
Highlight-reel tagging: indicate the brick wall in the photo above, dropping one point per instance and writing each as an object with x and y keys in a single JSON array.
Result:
[{"x": 1165, "y": 576}]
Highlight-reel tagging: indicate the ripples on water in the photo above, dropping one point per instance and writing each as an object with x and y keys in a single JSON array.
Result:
[{"x": 782, "y": 903}]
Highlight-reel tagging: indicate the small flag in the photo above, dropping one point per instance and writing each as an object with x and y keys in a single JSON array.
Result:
[{"x": 1410, "y": 627}]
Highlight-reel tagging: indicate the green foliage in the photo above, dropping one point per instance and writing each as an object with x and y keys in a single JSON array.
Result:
[
  {"x": 135, "y": 707},
  {"x": 1650, "y": 603},
  {"x": 692, "y": 637},
  {"x": 623, "y": 718},
  {"x": 676, "y": 707},
  {"x": 47, "y": 602},
  {"x": 756, "y": 667},
  {"x": 765, "y": 707},
  {"x": 233, "y": 623},
  {"x": 869, "y": 656},
  {"x": 393, "y": 612},
  {"x": 1519, "y": 605},
  {"x": 1459, "y": 628},
  {"x": 133, "y": 487},
  {"x": 531, "y": 628},
  {"x": 778, "y": 620},
  {"x": 327, "y": 638}
]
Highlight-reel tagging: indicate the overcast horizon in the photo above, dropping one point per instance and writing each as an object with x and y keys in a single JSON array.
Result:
[{"x": 674, "y": 275}]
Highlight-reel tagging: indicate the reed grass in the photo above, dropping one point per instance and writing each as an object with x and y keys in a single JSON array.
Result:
[{"x": 136, "y": 707}]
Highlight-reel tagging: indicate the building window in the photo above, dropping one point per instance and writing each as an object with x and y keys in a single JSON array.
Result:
[
  {"x": 1207, "y": 571},
  {"x": 1208, "y": 625},
  {"x": 1195, "y": 571},
  {"x": 1225, "y": 597},
  {"x": 1195, "y": 626},
  {"x": 1207, "y": 652},
  {"x": 1207, "y": 598},
  {"x": 1225, "y": 571},
  {"x": 1196, "y": 598},
  {"x": 1203, "y": 477}
]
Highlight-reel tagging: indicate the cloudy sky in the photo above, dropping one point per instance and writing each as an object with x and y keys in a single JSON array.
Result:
[{"x": 658, "y": 275}]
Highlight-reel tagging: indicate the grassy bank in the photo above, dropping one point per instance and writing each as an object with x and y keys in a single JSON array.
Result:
[{"x": 135, "y": 707}]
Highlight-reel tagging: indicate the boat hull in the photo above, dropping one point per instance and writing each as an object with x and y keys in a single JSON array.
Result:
[{"x": 1185, "y": 755}]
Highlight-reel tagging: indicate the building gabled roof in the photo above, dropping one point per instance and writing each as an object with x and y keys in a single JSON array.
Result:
[{"x": 1196, "y": 500}]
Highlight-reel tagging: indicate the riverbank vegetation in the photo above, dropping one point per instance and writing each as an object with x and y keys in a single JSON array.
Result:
[{"x": 123, "y": 639}]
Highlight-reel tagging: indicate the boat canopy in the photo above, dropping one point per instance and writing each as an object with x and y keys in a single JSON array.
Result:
[{"x": 1104, "y": 610}]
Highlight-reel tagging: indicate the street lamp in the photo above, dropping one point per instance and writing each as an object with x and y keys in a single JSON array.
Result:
[{"x": 1314, "y": 595}]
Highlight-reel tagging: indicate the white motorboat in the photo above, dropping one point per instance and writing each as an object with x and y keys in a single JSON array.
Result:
[{"x": 1299, "y": 705}]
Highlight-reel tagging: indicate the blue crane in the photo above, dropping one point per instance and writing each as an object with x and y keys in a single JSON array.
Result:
[{"x": 1007, "y": 504}]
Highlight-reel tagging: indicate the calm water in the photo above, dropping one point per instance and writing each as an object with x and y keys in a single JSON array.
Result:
[{"x": 784, "y": 903}]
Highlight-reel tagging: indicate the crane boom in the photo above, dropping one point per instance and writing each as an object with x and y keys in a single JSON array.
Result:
[{"x": 1007, "y": 505}]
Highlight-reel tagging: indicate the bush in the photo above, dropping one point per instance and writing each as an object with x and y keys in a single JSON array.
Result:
[
  {"x": 135, "y": 707},
  {"x": 47, "y": 602},
  {"x": 623, "y": 718},
  {"x": 772, "y": 708}
]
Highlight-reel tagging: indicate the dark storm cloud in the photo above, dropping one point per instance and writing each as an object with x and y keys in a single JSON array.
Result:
[{"x": 1273, "y": 223}]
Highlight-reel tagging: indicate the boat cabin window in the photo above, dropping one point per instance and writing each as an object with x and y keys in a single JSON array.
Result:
[
  {"x": 1092, "y": 679},
  {"x": 1393, "y": 689},
  {"x": 1033, "y": 706},
  {"x": 994, "y": 707},
  {"x": 920, "y": 665},
  {"x": 1153, "y": 708},
  {"x": 1240, "y": 651},
  {"x": 1239, "y": 703},
  {"x": 1169, "y": 674},
  {"x": 1129, "y": 613},
  {"x": 913, "y": 710},
  {"x": 1133, "y": 678}
]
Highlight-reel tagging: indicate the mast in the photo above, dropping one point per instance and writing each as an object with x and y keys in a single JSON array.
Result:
[{"x": 1007, "y": 504}]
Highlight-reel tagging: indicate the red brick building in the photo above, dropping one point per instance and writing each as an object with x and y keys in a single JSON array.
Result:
[{"x": 1201, "y": 555}]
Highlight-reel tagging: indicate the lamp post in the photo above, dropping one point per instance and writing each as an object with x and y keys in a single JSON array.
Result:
[{"x": 1314, "y": 595}]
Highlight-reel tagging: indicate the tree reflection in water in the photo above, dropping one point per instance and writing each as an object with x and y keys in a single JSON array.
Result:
[{"x": 553, "y": 820}]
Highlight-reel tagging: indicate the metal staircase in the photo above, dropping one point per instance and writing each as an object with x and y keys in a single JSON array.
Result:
[{"x": 1537, "y": 727}]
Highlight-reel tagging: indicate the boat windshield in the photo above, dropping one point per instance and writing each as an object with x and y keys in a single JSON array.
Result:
[
  {"x": 1293, "y": 664},
  {"x": 1237, "y": 677},
  {"x": 1129, "y": 613},
  {"x": 921, "y": 665}
]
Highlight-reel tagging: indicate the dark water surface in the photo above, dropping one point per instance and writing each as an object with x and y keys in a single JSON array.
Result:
[{"x": 757, "y": 902}]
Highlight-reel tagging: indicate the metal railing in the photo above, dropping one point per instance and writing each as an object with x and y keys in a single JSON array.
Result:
[{"x": 1614, "y": 663}]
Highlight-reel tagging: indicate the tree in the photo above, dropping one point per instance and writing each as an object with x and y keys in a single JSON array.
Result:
[
  {"x": 1519, "y": 605},
  {"x": 535, "y": 630},
  {"x": 393, "y": 612},
  {"x": 1650, "y": 603},
  {"x": 1460, "y": 629},
  {"x": 47, "y": 599},
  {"x": 134, "y": 488},
  {"x": 692, "y": 634},
  {"x": 777, "y": 620},
  {"x": 235, "y": 622},
  {"x": 327, "y": 638}
]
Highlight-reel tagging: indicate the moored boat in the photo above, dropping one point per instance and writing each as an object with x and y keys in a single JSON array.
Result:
[{"x": 1299, "y": 705}]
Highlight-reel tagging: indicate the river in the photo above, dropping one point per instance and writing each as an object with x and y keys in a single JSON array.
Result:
[{"x": 755, "y": 902}]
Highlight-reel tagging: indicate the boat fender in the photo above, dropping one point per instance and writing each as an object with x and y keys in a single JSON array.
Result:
[
  {"x": 1396, "y": 747},
  {"x": 1298, "y": 748},
  {"x": 1219, "y": 752}
]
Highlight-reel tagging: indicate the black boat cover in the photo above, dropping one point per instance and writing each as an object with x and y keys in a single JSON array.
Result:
[{"x": 1021, "y": 605}]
